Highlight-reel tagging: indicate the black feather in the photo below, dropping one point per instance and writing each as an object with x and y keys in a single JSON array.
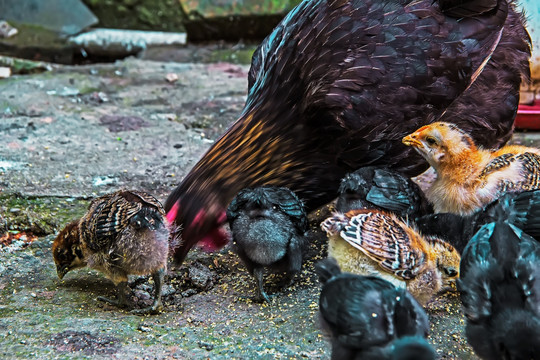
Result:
[
  {"x": 327, "y": 269},
  {"x": 383, "y": 189},
  {"x": 500, "y": 291},
  {"x": 521, "y": 209},
  {"x": 467, "y": 8},
  {"x": 149, "y": 218},
  {"x": 368, "y": 318}
]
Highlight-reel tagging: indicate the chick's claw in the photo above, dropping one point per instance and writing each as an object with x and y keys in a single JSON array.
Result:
[
  {"x": 262, "y": 297},
  {"x": 157, "y": 306},
  {"x": 150, "y": 310},
  {"x": 122, "y": 301}
]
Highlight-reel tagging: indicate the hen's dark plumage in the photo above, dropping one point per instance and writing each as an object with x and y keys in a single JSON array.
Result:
[
  {"x": 520, "y": 209},
  {"x": 268, "y": 225},
  {"x": 338, "y": 84},
  {"x": 374, "y": 187},
  {"x": 500, "y": 291},
  {"x": 369, "y": 318}
]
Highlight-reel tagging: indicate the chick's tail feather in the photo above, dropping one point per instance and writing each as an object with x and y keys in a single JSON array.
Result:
[
  {"x": 525, "y": 212},
  {"x": 519, "y": 209},
  {"x": 327, "y": 269}
]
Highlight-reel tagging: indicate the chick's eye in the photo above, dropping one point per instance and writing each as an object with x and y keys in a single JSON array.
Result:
[
  {"x": 451, "y": 272},
  {"x": 431, "y": 140}
]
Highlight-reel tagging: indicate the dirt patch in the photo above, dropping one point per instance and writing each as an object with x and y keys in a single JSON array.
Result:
[
  {"x": 17, "y": 240},
  {"x": 81, "y": 341}
]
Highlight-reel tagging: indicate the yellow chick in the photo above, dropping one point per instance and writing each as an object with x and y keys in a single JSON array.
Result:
[
  {"x": 373, "y": 242},
  {"x": 468, "y": 177}
]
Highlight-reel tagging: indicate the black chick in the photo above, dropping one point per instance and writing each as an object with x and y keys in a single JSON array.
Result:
[
  {"x": 369, "y": 318},
  {"x": 374, "y": 187},
  {"x": 500, "y": 291},
  {"x": 520, "y": 209},
  {"x": 123, "y": 233},
  {"x": 268, "y": 226}
]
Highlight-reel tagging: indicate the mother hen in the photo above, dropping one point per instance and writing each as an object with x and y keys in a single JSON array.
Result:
[{"x": 338, "y": 84}]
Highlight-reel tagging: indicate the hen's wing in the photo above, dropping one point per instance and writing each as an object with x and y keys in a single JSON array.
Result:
[
  {"x": 388, "y": 241},
  {"x": 382, "y": 69}
]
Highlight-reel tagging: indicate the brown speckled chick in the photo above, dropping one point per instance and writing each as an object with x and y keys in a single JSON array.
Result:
[
  {"x": 123, "y": 233},
  {"x": 372, "y": 242},
  {"x": 469, "y": 177}
]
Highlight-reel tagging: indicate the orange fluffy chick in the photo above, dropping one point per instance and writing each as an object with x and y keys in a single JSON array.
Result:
[
  {"x": 372, "y": 242},
  {"x": 123, "y": 233},
  {"x": 469, "y": 177}
]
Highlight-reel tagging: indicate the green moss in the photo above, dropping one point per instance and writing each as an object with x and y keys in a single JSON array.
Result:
[
  {"x": 34, "y": 35},
  {"x": 21, "y": 66},
  {"x": 160, "y": 15},
  {"x": 242, "y": 56},
  {"x": 210, "y": 8},
  {"x": 40, "y": 215}
]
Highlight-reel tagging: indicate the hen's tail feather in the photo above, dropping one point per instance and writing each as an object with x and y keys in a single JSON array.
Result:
[
  {"x": 327, "y": 269},
  {"x": 467, "y": 8}
]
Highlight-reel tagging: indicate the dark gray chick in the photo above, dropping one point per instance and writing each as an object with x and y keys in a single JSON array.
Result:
[
  {"x": 268, "y": 226},
  {"x": 520, "y": 209},
  {"x": 500, "y": 292},
  {"x": 369, "y": 318},
  {"x": 376, "y": 187}
]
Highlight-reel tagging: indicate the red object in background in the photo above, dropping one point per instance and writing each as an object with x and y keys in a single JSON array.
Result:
[{"x": 528, "y": 116}]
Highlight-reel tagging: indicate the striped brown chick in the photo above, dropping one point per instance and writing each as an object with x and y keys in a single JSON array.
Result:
[
  {"x": 470, "y": 177},
  {"x": 123, "y": 233},
  {"x": 372, "y": 242}
]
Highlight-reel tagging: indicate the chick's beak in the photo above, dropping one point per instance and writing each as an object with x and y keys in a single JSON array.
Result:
[
  {"x": 61, "y": 271},
  {"x": 449, "y": 286},
  {"x": 412, "y": 140}
]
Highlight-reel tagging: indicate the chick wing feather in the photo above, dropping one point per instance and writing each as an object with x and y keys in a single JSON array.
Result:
[
  {"x": 109, "y": 215},
  {"x": 529, "y": 177},
  {"x": 386, "y": 240},
  {"x": 519, "y": 208}
]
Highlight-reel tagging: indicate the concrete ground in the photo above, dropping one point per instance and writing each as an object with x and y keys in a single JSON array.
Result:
[{"x": 77, "y": 132}]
